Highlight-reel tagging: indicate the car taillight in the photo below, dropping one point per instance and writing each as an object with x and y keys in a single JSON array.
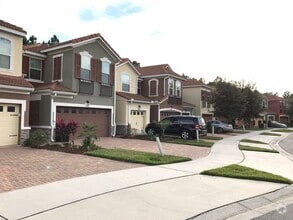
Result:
[{"x": 196, "y": 126}]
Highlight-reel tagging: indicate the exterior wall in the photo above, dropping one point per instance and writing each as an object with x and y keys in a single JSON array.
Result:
[
  {"x": 154, "y": 113},
  {"x": 45, "y": 109},
  {"x": 16, "y": 55},
  {"x": 126, "y": 68},
  {"x": 121, "y": 111}
]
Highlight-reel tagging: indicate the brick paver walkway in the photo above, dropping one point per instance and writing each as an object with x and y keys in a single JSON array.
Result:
[{"x": 22, "y": 167}]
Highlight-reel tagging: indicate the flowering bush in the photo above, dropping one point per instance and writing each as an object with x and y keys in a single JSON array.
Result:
[{"x": 64, "y": 130}]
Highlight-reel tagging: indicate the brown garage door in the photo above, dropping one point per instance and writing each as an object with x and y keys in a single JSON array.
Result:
[{"x": 98, "y": 117}]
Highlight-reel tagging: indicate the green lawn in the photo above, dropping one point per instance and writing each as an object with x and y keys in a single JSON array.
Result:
[
  {"x": 192, "y": 142},
  {"x": 269, "y": 133},
  {"x": 252, "y": 141},
  {"x": 241, "y": 172},
  {"x": 136, "y": 156},
  {"x": 286, "y": 130},
  {"x": 260, "y": 149}
]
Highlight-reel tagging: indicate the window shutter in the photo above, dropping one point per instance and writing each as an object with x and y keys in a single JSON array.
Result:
[
  {"x": 112, "y": 73},
  {"x": 77, "y": 67},
  {"x": 93, "y": 69},
  {"x": 57, "y": 68},
  {"x": 25, "y": 66},
  {"x": 99, "y": 71}
]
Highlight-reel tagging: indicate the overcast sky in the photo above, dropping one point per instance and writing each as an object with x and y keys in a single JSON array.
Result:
[{"x": 249, "y": 40}]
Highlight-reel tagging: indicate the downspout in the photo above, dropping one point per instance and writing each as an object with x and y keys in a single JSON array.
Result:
[
  {"x": 114, "y": 105},
  {"x": 52, "y": 120}
]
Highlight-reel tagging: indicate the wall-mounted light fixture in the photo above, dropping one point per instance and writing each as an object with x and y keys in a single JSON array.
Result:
[
  {"x": 87, "y": 102},
  {"x": 139, "y": 107}
]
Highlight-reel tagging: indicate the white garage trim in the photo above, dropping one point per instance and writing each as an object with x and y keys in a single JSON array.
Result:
[
  {"x": 23, "y": 109},
  {"x": 65, "y": 104},
  {"x": 170, "y": 109}
]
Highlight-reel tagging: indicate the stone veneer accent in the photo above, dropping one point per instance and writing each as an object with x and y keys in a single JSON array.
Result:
[
  {"x": 121, "y": 130},
  {"x": 24, "y": 134}
]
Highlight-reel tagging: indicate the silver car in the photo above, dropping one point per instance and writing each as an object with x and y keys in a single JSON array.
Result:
[{"x": 219, "y": 126}]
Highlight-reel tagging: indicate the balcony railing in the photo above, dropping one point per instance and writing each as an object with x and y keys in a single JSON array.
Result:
[{"x": 105, "y": 90}]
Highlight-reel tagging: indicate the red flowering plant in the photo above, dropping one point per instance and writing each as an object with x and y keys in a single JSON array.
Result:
[{"x": 64, "y": 130}]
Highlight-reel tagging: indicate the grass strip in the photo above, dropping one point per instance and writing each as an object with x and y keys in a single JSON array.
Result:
[
  {"x": 252, "y": 141},
  {"x": 213, "y": 138},
  {"x": 270, "y": 134},
  {"x": 192, "y": 142},
  {"x": 260, "y": 149},
  {"x": 283, "y": 130},
  {"x": 242, "y": 172},
  {"x": 136, "y": 156}
]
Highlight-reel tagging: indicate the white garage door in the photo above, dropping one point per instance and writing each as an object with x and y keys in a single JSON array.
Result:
[
  {"x": 9, "y": 126},
  {"x": 137, "y": 121}
]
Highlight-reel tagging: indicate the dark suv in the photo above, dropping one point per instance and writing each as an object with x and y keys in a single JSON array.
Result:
[{"x": 179, "y": 125}]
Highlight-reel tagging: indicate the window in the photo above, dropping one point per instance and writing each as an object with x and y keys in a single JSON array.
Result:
[
  {"x": 178, "y": 88},
  {"x": 57, "y": 67},
  {"x": 10, "y": 109},
  {"x": 125, "y": 82},
  {"x": 105, "y": 71},
  {"x": 171, "y": 86},
  {"x": 35, "y": 71},
  {"x": 153, "y": 87},
  {"x": 139, "y": 87},
  {"x": 5, "y": 53},
  {"x": 85, "y": 67},
  {"x": 1, "y": 108}
]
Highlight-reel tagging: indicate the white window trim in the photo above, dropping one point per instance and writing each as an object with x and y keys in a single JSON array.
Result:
[
  {"x": 61, "y": 78},
  {"x": 105, "y": 59},
  {"x": 169, "y": 86},
  {"x": 126, "y": 74},
  {"x": 157, "y": 87},
  {"x": 29, "y": 77},
  {"x": 85, "y": 54},
  {"x": 11, "y": 53}
]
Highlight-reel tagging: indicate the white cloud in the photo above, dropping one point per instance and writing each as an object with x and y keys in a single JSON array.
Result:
[{"x": 235, "y": 39}]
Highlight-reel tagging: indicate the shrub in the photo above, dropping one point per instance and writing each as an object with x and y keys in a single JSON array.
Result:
[
  {"x": 37, "y": 138},
  {"x": 89, "y": 136},
  {"x": 64, "y": 130}
]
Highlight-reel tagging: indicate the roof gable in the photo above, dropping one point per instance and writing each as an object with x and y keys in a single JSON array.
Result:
[
  {"x": 157, "y": 70},
  {"x": 11, "y": 28}
]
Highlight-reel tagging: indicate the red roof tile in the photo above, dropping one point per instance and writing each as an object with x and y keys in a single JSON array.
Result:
[
  {"x": 35, "y": 47},
  {"x": 14, "y": 81},
  {"x": 193, "y": 82},
  {"x": 158, "y": 70},
  {"x": 135, "y": 97},
  {"x": 271, "y": 97},
  {"x": 11, "y": 26},
  {"x": 54, "y": 86}
]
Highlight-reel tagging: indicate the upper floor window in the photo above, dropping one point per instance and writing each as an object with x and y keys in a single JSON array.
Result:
[
  {"x": 85, "y": 67},
  {"x": 5, "y": 53},
  {"x": 139, "y": 87},
  {"x": 105, "y": 71},
  {"x": 171, "y": 87},
  {"x": 57, "y": 67},
  {"x": 35, "y": 71},
  {"x": 178, "y": 88},
  {"x": 125, "y": 79}
]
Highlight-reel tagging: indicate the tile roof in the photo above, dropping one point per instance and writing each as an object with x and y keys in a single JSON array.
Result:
[
  {"x": 271, "y": 97},
  {"x": 135, "y": 97},
  {"x": 124, "y": 60},
  {"x": 35, "y": 47},
  {"x": 11, "y": 26},
  {"x": 54, "y": 86},
  {"x": 193, "y": 82},
  {"x": 158, "y": 70},
  {"x": 14, "y": 81}
]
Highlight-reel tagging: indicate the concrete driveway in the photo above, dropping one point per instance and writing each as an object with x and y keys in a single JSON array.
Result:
[{"x": 22, "y": 167}]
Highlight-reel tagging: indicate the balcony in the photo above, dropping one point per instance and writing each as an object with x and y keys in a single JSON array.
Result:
[
  {"x": 105, "y": 90},
  {"x": 86, "y": 87}
]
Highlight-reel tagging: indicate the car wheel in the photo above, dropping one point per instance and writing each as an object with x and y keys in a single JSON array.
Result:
[
  {"x": 185, "y": 134},
  {"x": 220, "y": 130},
  {"x": 151, "y": 132}
]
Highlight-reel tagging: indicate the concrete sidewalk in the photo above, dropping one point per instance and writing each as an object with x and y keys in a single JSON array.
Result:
[{"x": 175, "y": 191}]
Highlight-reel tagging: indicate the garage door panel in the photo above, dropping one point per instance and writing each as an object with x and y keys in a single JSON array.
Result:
[
  {"x": 99, "y": 117},
  {"x": 9, "y": 126}
]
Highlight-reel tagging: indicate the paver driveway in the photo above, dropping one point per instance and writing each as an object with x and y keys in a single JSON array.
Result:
[{"x": 22, "y": 167}]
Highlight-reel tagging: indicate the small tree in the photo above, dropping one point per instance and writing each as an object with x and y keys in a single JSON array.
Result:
[
  {"x": 64, "y": 130},
  {"x": 89, "y": 135}
]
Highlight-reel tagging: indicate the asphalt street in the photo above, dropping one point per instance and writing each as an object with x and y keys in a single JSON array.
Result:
[
  {"x": 287, "y": 144},
  {"x": 282, "y": 212}
]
